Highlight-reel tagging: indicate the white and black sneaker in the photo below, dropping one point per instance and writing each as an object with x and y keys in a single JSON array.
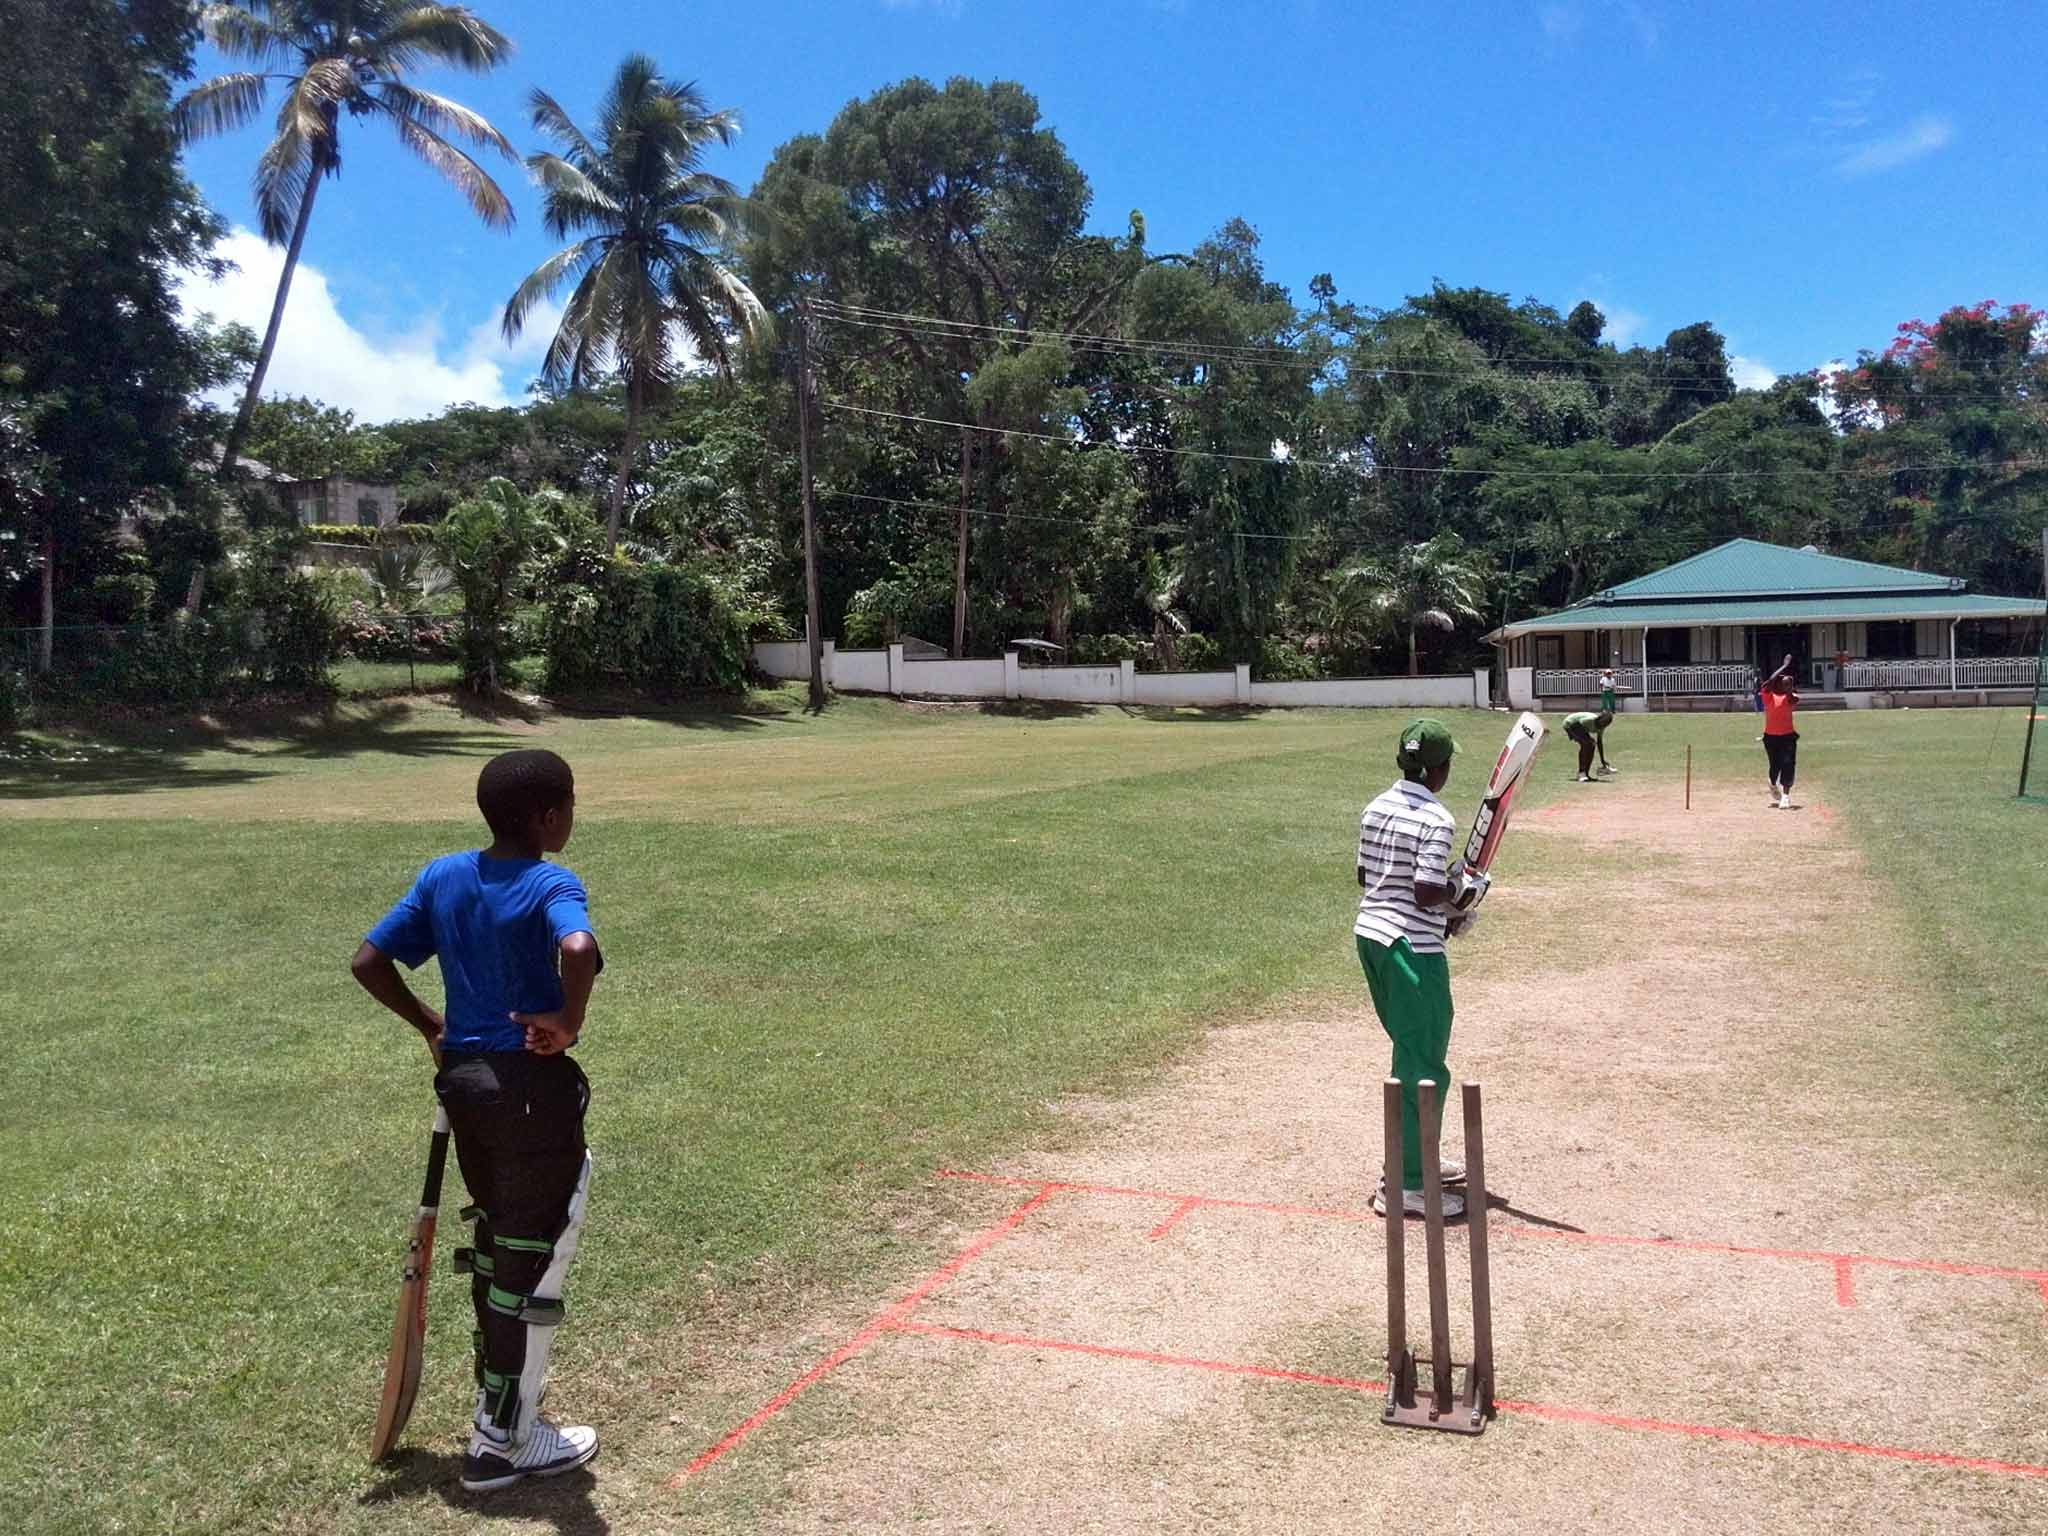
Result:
[
  {"x": 1413, "y": 1203},
  {"x": 552, "y": 1449},
  {"x": 1453, "y": 1173}
]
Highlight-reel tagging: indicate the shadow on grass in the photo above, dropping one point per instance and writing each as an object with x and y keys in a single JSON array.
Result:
[
  {"x": 133, "y": 757},
  {"x": 1190, "y": 714},
  {"x": 563, "y": 1502},
  {"x": 1035, "y": 709},
  {"x": 700, "y": 712}
]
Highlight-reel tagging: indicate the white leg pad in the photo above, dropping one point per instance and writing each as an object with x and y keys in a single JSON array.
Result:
[{"x": 540, "y": 1338}]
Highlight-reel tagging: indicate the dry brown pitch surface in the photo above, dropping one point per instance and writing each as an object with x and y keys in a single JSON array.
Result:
[{"x": 1755, "y": 1272}]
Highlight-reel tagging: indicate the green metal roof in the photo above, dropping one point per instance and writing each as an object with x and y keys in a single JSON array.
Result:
[
  {"x": 1747, "y": 568},
  {"x": 1790, "y": 608}
]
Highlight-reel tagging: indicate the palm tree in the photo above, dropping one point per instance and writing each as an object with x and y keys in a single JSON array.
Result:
[
  {"x": 1433, "y": 583},
  {"x": 1162, "y": 588},
  {"x": 336, "y": 56},
  {"x": 647, "y": 219}
]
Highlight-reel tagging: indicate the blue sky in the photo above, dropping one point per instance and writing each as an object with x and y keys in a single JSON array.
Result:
[{"x": 1804, "y": 176}]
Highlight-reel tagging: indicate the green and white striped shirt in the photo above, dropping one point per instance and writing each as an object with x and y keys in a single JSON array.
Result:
[{"x": 1405, "y": 833}]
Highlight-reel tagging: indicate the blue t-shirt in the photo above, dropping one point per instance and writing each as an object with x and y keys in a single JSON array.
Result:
[{"x": 496, "y": 925}]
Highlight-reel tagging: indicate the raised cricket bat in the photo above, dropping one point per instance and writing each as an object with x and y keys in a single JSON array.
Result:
[
  {"x": 409, "y": 1332},
  {"x": 1510, "y": 771}
]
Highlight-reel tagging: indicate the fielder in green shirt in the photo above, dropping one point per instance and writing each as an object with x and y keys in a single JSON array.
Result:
[{"x": 1586, "y": 728}]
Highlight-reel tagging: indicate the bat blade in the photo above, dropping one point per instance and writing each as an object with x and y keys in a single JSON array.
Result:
[
  {"x": 409, "y": 1328},
  {"x": 1510, "y": 772}
]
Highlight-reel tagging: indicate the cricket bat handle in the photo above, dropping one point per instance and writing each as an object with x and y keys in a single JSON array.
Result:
[{"x": 437, "y": 1161}]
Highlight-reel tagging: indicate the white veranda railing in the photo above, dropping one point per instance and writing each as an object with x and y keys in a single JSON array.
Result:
[
  {"x": 1932, "y": 672},
  {"x": 1705, "y": 677},
  {"x": 1856, "y": 677}
]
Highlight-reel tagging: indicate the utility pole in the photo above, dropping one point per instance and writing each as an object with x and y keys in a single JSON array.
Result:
[
  {"x": 812, "y": 629},
  {"x": 2040, "y": 666}
]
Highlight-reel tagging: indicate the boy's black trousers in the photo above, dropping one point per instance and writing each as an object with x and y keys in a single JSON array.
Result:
[
  {"x": 518, "y": 1125},
  {"x": 1783, "y": 754}
]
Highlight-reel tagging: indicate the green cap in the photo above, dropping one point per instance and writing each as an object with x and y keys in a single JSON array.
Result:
[{"x": 1425, "y": 743}]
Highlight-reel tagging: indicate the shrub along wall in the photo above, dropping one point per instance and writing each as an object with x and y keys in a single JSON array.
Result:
[{"x": 654, "y": 628}]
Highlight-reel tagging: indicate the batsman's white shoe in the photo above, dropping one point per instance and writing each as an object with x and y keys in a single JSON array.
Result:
[
  {"x": 1607, "y": 772},
  {"x": 1784, "y": 799},
  {"x": 1412, "y": 1204},
  {"x": 551, "y": 1450},
  {"x": 1585, "y": 778},
  {"x": 1454, "y": 1173}
]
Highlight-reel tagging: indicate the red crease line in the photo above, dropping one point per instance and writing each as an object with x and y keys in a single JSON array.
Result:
[
  {"x": 1144, "y": 1356},
  {"x": 1845, "y": 1283},
  {"x": 1506, "y": 1405},
  {"x": 890, "y": 1318},
  {"x": 1767, "y": 1437},
  {"x": 1684, "y": 1245},
  {"x": 1174, "y": 1220}
]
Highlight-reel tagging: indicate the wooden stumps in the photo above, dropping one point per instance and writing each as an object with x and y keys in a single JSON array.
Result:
[
  {"x": 1441, "y": 1386},
  {"x": 1400, "y": 1363},
  {"x": 1478, "y": 1401},
  {"x": 1447, "y": 1407}
]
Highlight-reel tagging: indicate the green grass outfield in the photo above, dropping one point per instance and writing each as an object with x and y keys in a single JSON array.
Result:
[{"x": 841, "y": 952}]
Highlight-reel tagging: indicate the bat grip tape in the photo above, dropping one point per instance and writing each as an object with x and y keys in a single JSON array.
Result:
[{"x": 437, "y": 1160}]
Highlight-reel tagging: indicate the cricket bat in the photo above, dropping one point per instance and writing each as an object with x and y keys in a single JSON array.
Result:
[
  {"x": 409, "y": 1332},
  {"x": 1510, "y": 772}
]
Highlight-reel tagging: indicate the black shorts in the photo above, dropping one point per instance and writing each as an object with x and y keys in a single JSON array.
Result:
[{"x": 518, "y": 1124}]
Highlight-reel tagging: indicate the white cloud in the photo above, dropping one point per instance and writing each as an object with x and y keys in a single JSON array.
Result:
[
  {"x": 1563, "y": 23},
  {"x": 1624, "y": 325},
  {"x": 321, "y": 354},
  {"x": 1920, "y": 138},
  {"x": 1749, "y": 373}
]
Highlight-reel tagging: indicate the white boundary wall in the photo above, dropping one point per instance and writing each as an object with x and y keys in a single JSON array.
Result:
[
  {"x": 859, "y": 671},
  {"x": 1074, "y": 685},
  {"x": 886, "y": 672},
  {"x": 1186, "y": 688},
  {"x": 1465, "y": 691},
  {"x": 950, "y": 679}
]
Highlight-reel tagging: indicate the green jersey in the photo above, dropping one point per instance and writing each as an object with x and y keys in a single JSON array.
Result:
[{"x": 1584, "y": 720}]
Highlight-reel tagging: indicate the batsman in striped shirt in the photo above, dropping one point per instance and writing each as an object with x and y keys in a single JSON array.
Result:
[{"x": 1404, "y": 869}]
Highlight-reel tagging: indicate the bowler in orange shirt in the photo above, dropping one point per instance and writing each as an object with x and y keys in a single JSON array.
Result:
[{"x": 1781, "y": 736}]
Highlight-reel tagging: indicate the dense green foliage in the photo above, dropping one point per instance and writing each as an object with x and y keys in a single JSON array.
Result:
[
  {"x": 656, "y": 629},
  {"x": 96, "y": 219},
  {"x": 1023, "y": 426},
  {"x": 491, "y": 544}
]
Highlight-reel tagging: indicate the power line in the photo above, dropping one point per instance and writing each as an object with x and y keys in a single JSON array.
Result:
[
  {"x": 953, "y": 509},
  {"x": 1295, "y": 461},
  {"x": 1070, "y": 522},
  {"x": 1561, "y": 369}
]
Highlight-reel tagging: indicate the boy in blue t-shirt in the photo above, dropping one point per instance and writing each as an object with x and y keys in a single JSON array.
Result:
[{"x": 513, "y": 935}]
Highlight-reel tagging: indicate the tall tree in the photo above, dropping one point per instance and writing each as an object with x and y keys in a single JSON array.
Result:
[
  {"x": 650, "y": 223},
  {"x": 97, "y": 220},
  {"x": 1947, "y": 428},
  {"x": 947, "y": 219},
  {"x": 335, "y": 57}
]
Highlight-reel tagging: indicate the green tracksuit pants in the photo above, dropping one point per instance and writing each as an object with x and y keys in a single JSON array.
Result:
[{"x": 1412, "y": 995}]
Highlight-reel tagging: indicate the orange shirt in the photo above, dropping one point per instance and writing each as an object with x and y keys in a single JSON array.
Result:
[{"x": 1778, "y": 713}]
